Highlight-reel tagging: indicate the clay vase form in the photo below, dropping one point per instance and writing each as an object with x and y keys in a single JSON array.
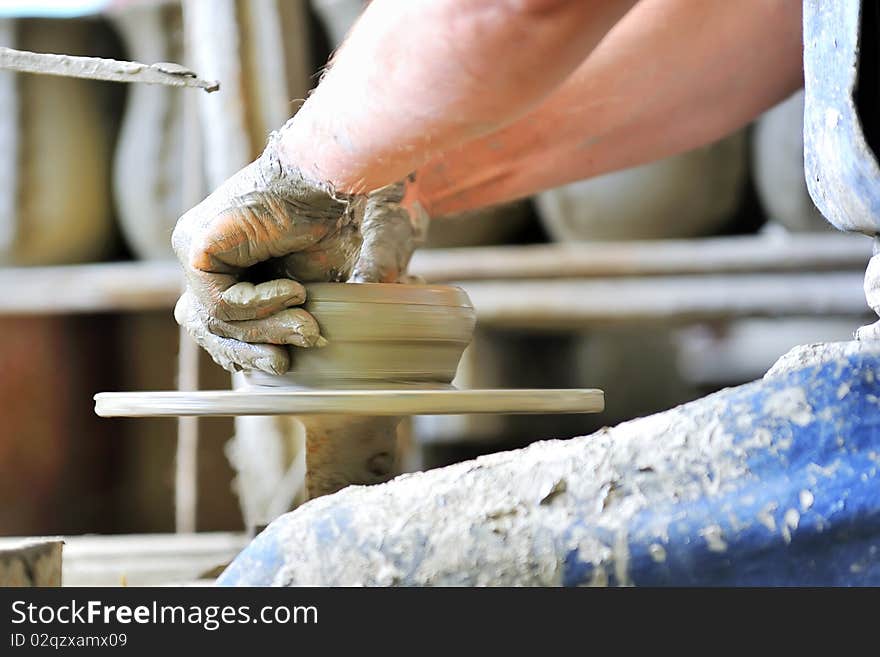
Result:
[
  {"x": 687, "y": 195},
  {"x": 147, "y": 168},
  {"x": 380, "y": 336},
  {"x": 55, "y": 197},
  {"x": 778, "y": 167}
]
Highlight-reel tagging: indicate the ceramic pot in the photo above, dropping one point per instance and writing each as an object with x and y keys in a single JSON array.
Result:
[
  {"x": 54, "y": 199},
  {"x": 381, "y": 335},
  {"x": 778, "y": 168},
  {"x": 687, "y": 195}
]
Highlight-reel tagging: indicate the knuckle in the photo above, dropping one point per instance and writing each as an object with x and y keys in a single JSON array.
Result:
[
  {"x": 199, "y": 251},
  {"x": 215, "y": 325},
  {"x": 180, "y": 236},
  {"x": 222, "y": 353},
  {"x": 181, "y": 310}
]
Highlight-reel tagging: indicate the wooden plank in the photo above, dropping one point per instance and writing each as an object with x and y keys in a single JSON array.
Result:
[
  {"x": 268, "y": 401},
  {"x": 143, "y": 559},
  {"x": 30, "y": 562},
  {"x": 558, "y": 303},
  {"x": 569, "y": 304},
  {"x": 10, "y": 143},
  {"x": 805, "y": 252},
  {"x": 101, "y": 287},
  {"x": 556, "y": 269},
  {"x": 186, "y": 462}
]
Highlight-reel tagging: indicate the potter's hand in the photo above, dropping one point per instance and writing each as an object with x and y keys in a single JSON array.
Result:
[{"x": 268, "y": 223}]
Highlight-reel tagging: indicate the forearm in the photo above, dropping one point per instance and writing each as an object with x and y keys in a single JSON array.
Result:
[
  {"x": 420, "y": 77},
  {"x": 671, "y": 76}
]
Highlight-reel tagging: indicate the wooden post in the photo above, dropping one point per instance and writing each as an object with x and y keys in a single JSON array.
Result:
[
  {"x": 36, "y": 563},
  {"x": 186, "y": 462}
]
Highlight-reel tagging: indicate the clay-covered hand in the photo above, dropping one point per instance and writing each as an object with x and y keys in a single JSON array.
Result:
[{"x": 249, "y": 246}]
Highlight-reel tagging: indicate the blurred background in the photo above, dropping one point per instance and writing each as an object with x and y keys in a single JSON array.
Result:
[{"x": 659, "y": 284}]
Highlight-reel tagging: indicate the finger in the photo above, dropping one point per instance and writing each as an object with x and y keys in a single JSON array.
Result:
[
  {"x": 385, "y": 252},
  {"x": 231, "y": 300},
  {"x": 230, "y": 354},
  {"x": 293, "y": 326},
  {"x": 227, "y": 298},
  {"x": 331, "y": 260},
  {"x": 241, "y": 224},
  {"x": 389, "y": 239},
  {"x": 244, "y": 301}
]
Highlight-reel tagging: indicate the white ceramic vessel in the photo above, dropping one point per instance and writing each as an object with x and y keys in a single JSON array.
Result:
[{"x": 687, "y": 195}]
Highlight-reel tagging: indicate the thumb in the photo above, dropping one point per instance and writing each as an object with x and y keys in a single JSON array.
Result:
[{"x": 390, "y": 232}]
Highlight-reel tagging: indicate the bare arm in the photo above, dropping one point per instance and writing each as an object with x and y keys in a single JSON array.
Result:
[
  {"x": 418, "y": 77},
  {"x": 671, "y": 76}
]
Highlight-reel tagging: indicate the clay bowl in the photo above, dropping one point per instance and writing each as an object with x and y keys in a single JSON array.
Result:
[{"x": 381, "y": 336}]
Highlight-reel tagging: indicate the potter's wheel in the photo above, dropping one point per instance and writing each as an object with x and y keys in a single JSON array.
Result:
[
  {"x": 392, "y": 351},
  {"x": 279, "y": 401}
]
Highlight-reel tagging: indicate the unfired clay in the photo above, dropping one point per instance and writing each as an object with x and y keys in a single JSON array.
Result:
[
  {"x": 56, "y": 207},
  {"x": 778, "y": 167},
  {"x": 687, "y": 195},
  {"x": 379, "y": 334}
]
